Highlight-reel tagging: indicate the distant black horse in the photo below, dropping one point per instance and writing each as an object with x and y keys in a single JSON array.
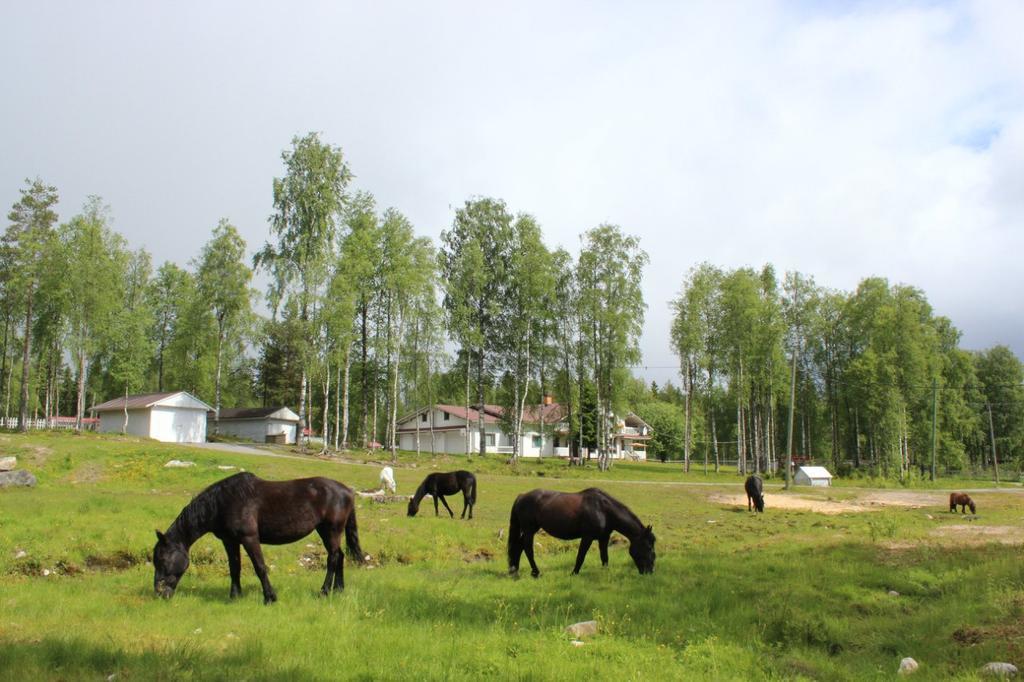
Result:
[
  {"x": 438, "y": 485},
  {"x": 961, "y": 500},
  {"x": 243, "y": 510},
  {"x": 755, "y": 492},
  {"x": 591, "y": 514}
]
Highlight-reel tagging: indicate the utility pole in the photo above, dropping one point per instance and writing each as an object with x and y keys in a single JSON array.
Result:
[
  {"x": 935, "y": 417},
  {"x": 992, "y": 436}
]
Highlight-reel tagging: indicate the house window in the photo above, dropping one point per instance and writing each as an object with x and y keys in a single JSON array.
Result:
[
  {"x": 489, "y": 439},
  {"x": 446, "y": 415},
  {"x": 536, "y": 441},
  {"x": 423, "y": 417}
]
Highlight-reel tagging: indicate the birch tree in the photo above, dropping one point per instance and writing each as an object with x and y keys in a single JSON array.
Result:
[
  {"x": 223, "y": 283},
  {"x": 307, "y": 204}
]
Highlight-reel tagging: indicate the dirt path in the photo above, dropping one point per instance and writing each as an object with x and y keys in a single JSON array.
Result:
[{"x": 873, "y": 500}]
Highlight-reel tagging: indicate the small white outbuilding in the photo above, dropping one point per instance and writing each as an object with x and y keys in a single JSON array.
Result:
[
  {"x": 816, "y": 476},
  {"x": 258, "y": 424},
  {"x": 177, "y": 417}
]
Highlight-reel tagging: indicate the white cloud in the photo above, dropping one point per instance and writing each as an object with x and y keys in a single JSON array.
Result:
[{"x": 875, "y": 139}]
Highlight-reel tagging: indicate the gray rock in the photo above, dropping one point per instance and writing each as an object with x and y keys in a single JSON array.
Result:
[
  {"x": 8, "y": 463},
  {"x": 582, "y": 629},
  {"x": 995, "y": 669},
  {"x": 577, "y": 642},
  {"x": 907, "y": 666},
  {"x": 893, "y": 593},
  {"x": 17, "y": 479},
  {"x": 179, "y": 464}
]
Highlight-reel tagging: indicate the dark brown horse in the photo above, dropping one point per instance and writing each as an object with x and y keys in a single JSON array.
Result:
[
  {"x": 755, "y": 492},
  {"x": 961, "y": 500},
  {"x": 589, "y": 515},
  {"x": 245, "y": 511},
  {"x": 438, "y": 485}
]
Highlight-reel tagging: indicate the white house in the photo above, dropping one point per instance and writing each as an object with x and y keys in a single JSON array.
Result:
[
  {"x": 815, "y": 476},
  {"x": 444, "y": 427},
  {"x": 258, "y": 424},
  {"x": 177, "y": 417}
]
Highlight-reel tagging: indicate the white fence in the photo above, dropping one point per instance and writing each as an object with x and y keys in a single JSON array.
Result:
[{"x": 57, "y": 423}]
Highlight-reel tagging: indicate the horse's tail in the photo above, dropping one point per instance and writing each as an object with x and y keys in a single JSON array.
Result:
[
  {"x": 515, "y": 540},
  {"x": 355, "y": 552}
]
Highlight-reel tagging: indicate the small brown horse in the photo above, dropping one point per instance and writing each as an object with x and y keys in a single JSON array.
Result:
[
  {"x": 243, "y": 510},
  {"x": 590, "y": 514},
  {"x": 438, "y": 485},
  {"x": 961, "y": 500}
]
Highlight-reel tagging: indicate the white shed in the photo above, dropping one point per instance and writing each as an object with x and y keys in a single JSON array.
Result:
[
  {"x": 816, "y": 476},
  {"x": 258, "y": 424},
  {"x": 177, "y": 417}
]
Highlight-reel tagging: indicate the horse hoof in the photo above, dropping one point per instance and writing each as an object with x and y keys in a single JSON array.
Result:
[
  {"x": 269, "y": 599},
  {"x": 535, "y": 574}
]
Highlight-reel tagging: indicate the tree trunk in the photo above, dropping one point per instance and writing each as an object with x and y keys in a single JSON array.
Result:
[
  {"x": 26, "y": 360},
  {"x": 344, "y": 396},
  {"x": 468, "y": 433},
  {"x": 302, "y": 410},
  {"x": 325, "y": 431},
  {"x": 688, "y": 414},
  {"x": 216, "y": 382},
  {"x": 365, "y": 378},
  {"x": 789, "y": 438},
  {"x": 480, "y": 400},
  {"x": 393, "y": 428}
]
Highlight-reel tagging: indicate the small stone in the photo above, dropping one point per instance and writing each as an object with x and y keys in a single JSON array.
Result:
[
  {"x": 893, "y": 593},
  {"x": 232, "y": 635},
  {"x": 197, "y": 631},
  {"x": 46, "y": 571},
  {"x": 20, "y": 554},
  {"x": 179, "y": 464},
  {"x": 8, "y": 463},
  {"x": 583, "y": 628},
  {"x": 929, "y": 517},
  {"x": 907, "y": 666},
  {"x": 17, "y": 479},
  {"x": 995, "y": 669},
  {"x": 226, "y": 467},
  {"x": 712, "y": 521},
  {"x": 577, "y": 642},
  {"x": 111, "y": 677}
]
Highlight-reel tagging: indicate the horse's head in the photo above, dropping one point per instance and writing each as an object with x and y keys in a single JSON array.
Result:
[
  {"x": 759, "y": 503},
  {"x": 170, "y": 561},
  {"x": 414, "y": 506},
  {"x": 641, "y": 548},
  {"x": 971, "y": 505}
]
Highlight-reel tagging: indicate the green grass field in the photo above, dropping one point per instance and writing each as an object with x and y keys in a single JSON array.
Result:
[{"x": 791, "y": 594}]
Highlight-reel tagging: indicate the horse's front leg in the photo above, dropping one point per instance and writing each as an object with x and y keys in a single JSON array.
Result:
[
  {"x": 602, "y": 544},
  {"x": 445, "y": 503},
  {"x": 255, "y": 552},
  {"x": 234, "y": 566},
  {"x": 528, "y": 548},
  {"x": 582, "y": 554},
  {"x": 335, "y": 578}
]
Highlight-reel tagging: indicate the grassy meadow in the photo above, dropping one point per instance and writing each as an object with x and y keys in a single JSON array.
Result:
[{"x": 795, "y": 593}]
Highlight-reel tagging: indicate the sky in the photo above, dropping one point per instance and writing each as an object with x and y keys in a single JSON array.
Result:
[{"x": 843, "y": 140}]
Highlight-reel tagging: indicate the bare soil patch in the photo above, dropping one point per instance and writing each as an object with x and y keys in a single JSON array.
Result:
[
  {"x": 975, "y": 534},
  {"x": 795, "y": 503},
  {"x": 871, "y": 501}
]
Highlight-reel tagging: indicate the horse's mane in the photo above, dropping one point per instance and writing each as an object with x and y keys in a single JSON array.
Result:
[
  {"x": 618, "y": 506},
  {"x": 205, "y": 506}
]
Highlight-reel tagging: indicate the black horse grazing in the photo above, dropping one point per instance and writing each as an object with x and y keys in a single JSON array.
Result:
[
  {"x": 243, "y": 510},
  {"x": 961, "y": 500},
  {"x": 439, "y": 485},
  {"x": 755, "y": 492},
  {"x": 591, "y": 514}
]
